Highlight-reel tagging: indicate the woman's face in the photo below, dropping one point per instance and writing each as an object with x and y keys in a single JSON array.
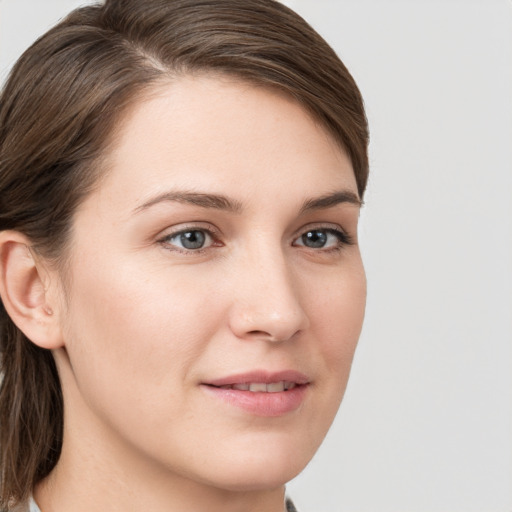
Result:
[{"x": 216, "y": 291}]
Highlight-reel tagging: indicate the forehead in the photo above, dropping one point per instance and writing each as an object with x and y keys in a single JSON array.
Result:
[{"x": 224, "y": 135}]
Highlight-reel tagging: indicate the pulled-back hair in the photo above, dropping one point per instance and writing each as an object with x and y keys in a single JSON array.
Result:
[{"x": 58, "y": 112}]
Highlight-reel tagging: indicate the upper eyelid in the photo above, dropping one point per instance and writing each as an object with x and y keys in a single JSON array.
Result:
[
  {"x": 183, "y": 228},
  {"x": 320, "y": 226}
]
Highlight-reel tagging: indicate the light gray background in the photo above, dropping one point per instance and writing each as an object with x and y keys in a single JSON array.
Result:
[{"x": 426, "y": 424}]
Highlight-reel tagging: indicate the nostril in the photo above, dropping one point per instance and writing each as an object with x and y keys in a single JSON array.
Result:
[
  {"x": 259, "y": 333},
  {"x": 267, "y": 336}
]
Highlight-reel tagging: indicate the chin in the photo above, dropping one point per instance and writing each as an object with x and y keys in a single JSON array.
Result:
[
  {"x": 262, "y": 469},
  {"x": 265, "y": 478}
]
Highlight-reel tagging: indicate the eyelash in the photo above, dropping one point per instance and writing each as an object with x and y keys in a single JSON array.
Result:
[{"x": 344, "y": 239}]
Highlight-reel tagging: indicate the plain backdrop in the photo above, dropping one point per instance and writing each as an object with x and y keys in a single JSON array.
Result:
[{"x": 426, "y": 424}]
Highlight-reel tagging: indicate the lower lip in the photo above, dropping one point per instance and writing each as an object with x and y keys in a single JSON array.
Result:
[{"x": 260, "y": 403}]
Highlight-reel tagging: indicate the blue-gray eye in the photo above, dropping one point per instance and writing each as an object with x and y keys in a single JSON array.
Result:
[
  {"x": 322, "y": 239},
  {"x": 193, "y": 239},
  {"x": 316, "y": 239}
]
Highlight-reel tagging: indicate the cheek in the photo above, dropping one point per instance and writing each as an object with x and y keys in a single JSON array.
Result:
[
  {"x": 127, "y": 329},
  {"x": 336, "y": 319},
  {"x": 338, "y": 311}
]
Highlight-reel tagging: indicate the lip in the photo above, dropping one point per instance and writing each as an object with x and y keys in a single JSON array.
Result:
[
  {"x": 260, "y": 403},
  {"x": 263, "y": 376}
]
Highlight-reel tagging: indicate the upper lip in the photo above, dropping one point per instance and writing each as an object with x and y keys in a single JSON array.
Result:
[{"x": 260, "y": 376}]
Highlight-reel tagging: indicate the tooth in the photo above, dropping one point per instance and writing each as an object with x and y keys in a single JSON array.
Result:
[
  {"x": 257, "y": 386},
  {"x": 275, "y": 387},
  {"x": 289, "y": 385},
  {"x": 226, "y": 386},
  {"x": 241, "y": 387}
]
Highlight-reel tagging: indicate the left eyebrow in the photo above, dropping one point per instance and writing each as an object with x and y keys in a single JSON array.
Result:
[
  {"x": 330, "y": 200},
  {"x": 213, "y": 201}
]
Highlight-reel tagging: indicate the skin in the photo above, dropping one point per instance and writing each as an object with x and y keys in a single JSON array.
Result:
[{"x": 143, "y": 321}]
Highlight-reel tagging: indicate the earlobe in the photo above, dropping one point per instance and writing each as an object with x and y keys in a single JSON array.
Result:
[{"x": 24, "y": 291}]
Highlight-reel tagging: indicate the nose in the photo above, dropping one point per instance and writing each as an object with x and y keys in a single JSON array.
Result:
[{"x": 267, "y": 305}]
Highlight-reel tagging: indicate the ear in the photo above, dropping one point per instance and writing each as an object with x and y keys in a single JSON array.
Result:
[{"x": 24, "y": 288}]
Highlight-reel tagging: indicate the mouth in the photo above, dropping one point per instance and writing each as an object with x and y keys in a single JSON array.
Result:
[
  {"x": 261, "y": 387},
  {"x": 261, "y": 393}
]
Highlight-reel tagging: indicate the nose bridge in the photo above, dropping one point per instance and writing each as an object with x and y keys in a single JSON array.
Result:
[{"x": 269, "y": 302}]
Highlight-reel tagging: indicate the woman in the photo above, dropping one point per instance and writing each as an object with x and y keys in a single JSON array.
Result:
[{"x": 182, "y": 289}]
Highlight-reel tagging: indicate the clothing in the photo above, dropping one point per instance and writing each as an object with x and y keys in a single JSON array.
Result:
[
  {"x": 32, "y": 506},
  {"x": 290, "y": 507}
]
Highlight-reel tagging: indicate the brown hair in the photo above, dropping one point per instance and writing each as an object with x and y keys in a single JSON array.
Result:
[{"x": 59, "y": 107}]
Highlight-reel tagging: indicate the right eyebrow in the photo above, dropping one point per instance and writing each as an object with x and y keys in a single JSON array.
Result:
[
  {"x": 213, "y": 201},
  {"x": 330, "y": 200}
]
